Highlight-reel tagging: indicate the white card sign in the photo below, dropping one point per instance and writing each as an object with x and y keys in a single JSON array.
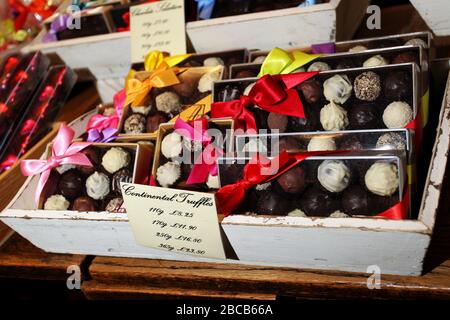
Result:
[
  {"x": 174, "y": 220},
  {"x": 157, "y": 26}
]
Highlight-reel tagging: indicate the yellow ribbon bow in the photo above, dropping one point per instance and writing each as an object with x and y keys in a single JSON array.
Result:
[
  {"x": 279, "y": 61},
  {"x": 160, "y": 72}
]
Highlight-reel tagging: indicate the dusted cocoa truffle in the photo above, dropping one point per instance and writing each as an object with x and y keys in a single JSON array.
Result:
[
  {"x": 97, "y": 185},
  {"x": 84, "y": 204},
  {"x": 397, "y": 115},
  {"x": 153, "y": 121},
  {"x": 245, "y": 74},
  {"x": 375, "y": 61},
  {"x": 396, "y": 85},
  {"x": 333, "y": 117},
  {"x": 168, "y": 102},
  {"x": 115, "y": 158},
  {"x": 293, "y": 181},
  {"x": 115, "y": 205},
  {"x": 405, "y": 57},
  {"x": 277, "y": 121},
  {"x": 271, "y": 203},
  {"x": 134, "y": 124},
  {"x": 71, "y": 184},
  {"x": 364, "y": 116},
  {"x": 318, "y": 203},
  {"x": 367, "y": 86},
  {"x": 123, "y": 175},
  {"x": 334, "y": 175},
  {"x": 337, "y": 89},
  {"x": 319, "y": 66},
  {"x": 382, "y": 178},
  {"x": 168, "y": 174},
  {"x": 351, "y": 143},
  {"x": 229, "y": 93},
  {"x": 311, "y": 91},
  {"x": 391, "y": 141},
  {"x": 56, "y": 202}
]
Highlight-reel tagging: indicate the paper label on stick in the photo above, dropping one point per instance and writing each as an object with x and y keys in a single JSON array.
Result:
[
  {"x": 174, "y": 220},
  {"x": 157, "y": 26}
]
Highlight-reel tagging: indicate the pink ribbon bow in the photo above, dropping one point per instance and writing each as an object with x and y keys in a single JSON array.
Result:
[
  {"x": 63, "y": 152},
  {"x": 101, "y": 122},
  {"x": 205, "y": 164}
]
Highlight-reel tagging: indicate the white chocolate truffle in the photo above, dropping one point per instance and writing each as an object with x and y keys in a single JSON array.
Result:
[
  {"x": 213, "y": 62},
  {"x": 65, "y": 167},
  {"x": 357, "y": 48},
  {"x": 397, "y": 115},
  {"x": 248, "y": 89},
  {"x": 168, "y": 102},
  {"x": 337, "y": 88},
  {"x": 141, "y": 109},
  {"x": 321, "y": 144},
  {"x": 56, "y": 202},
  {"x": 333, "y": 175},
  {"x": 375, "y": 61},
  {"x": 97, "y": 185},
  {"x": 115, "y": 159},
  {"x": 205, "y": 83},
  {"x": 259, "y": 59},
  {"x": 171, "y": 145},
  {"x": 213, "y": 182},
  {"x": 333, "y": 117},
  {"x": 318, "y": 66},
  {"x": 416, "y": 42},
  {"x": 391, "y": 141},
  {"x": 297, "y": 213},
  {"x": 382, "y": 178},
  {"x": 168, "y": 174},
  {"x": 339, "y": 214}
]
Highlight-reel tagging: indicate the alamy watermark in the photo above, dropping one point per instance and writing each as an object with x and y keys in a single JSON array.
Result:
[
  {"x": 74, "y": 280},
  {"x": 374, "y": 280}
]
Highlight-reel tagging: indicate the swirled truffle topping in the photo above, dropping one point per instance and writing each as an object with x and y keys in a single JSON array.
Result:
[
  {"x": 333, "y": 117},
  {"x": 337, "y": 89}
]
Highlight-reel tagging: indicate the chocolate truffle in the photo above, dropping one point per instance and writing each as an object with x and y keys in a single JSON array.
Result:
[
  {"x": 367, "y": 86},
  {"x": 382, "y": 178},
  {"x": 84, "y": 204},
  {"x": 271, "y": 203},
  {"x": 168, "y": 174},
  {"x": 333, "y": 117},
  {"x": 115, "y": 158},
  {"x": 172, "y": 145},
  {"x": 318, "y": 66},
  {"x": 375, "y": 61},
  {"x": 351, "y": 143},
  {"x": 405, "y": 57},
  {"x": 345, "y": 64},
  {"x": 187, "y": 86},
  {"x": 71, "y": 184},
  {"x": 123, "y": 175},
  {"x": 334, "y": 175},
  {"x": 56, "y": 202},
  {"x": 168, "y": 102},
  {"x": 153, "y": 121},
  {"x": 213, "y": 62},
  {"x": 397, "y": 85},
  {"x": 134, "y": 124},
  {"x": 277, "y": 121},
  {"x": 321, "y": 144},
  {"x": 358, "y": 48},
  {"x": 391, "y": 141},
  {"x": 229, "y": 93},
  {"x": 97, "y": 185},
  {"x": 94, "y": 157},
  {"x": 230, "y": 173},
  {"x": 115, "y": 205},
  {"x": 311, "y": 91},
  {"x": 285, "y": 144},
  {"x": 293, "y": 181},
  {"x": 259, "y": 59},
  {"x": 318, "y": 203},
  {"x": 310, "y": 123},
  {"x": 205, "y": 83},
  {"x": 397, "y": 115},
  {"x": 245, "y": 74},
  {"x": 364, "y": 116},
  {"x": 355, "y": 201},
  {"x": 417, "y": 42},
  {"x": 337, "y": 89},
  {"x": 144, "y": 110}
]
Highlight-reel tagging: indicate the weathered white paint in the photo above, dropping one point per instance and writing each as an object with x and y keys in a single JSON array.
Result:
[{"x": 435, "y": 13}]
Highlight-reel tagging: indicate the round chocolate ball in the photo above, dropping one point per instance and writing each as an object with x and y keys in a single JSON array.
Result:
[
  {"x": 318, "y": 203},
  {"x": 405, "y": 57},
  {"x": 271, "y": 203},
  {"x": 93, "y": 155},
  {"x": 293, "y": 181},
  {"x": 123, "y": 175},
  {"x": 350, "y": 143},
  {"x": 153, "y": 121},
  {"x": 71, "y": 184},
  {"x": 245, "y": 74},
  {"x": 367, "y": 86},
  {"x": 186, "y": 87},
  {"x": 135, "y": 123},
  {"x": 310, "y": 123},
  {"x": 311, "y": 91},
  {"x": 278, "y": 122},
  {"x": 364, "y": 116},
  {"x": 355, "y": 201},
  {"x": 397, "y": 85},
  {"x": 84, "y": 203},
  {"x": 285, "y": 144}
]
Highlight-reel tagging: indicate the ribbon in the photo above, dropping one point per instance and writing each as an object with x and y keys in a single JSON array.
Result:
[
  {"x": 399, "y": 211},
  {"x": 236, "y": 109},
  {"x": 105, "y": 136},
  {"x": 279, "y": 61},
  {"x": 100, "y": 122},
  {"x": 205, "y": 164},
  {"x": 326, "y": 48},
  {"x": 58, "y": 25},
  {"x": 126, "y": 20},
  {"x": 161, "y": 73},
  {"x": 63, "y": 152}
]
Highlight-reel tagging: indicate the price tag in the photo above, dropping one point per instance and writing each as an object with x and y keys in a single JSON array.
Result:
[
  {"x": 174, "y": 220},
  {"x": 157, "y": 26}
]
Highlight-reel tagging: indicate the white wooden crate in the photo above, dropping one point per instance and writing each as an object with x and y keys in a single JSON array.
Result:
[{"x": 435, "y": 13}]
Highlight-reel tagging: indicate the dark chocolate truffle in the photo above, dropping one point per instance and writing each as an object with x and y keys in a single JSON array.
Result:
[
  {"x": 123, "y": 175},
  {"x": 311, "y": 91},
  {"x": 230, "y": 173},
  {"x": 285, "y": 144},
  {"x": 309, "y": 123},
  {"x": 396, "y": 85},
  {"x": 135, "y": 123},
  {"x": 245, "y": 74},
  {"x": 94, "y": 157},
  {"x": 71, "y": 184},
  {"x": 271, "y": 203},
  {"x": 84, "y": 203},
  {"x": 277, "y": 121},
  {"x": 405, "y": 57},
  {"x": 293, "y": 181},
  {"x": 318, "y": 203},
  {"x": 155, "y": 120},
  {"x": 367, "y": 86},
  {"x": 351, "y": 143},
  {"x": 345, "y": 64},
  {"x": 229, "y": 93},
  {"x": 364, "y": 116},
  {"x": 355, "y": 201}
]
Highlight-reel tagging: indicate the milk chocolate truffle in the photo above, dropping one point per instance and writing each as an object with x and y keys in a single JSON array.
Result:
[
  {"x": 205, "y": 83},
  {"x": 333, "y": 117},
  {"x": 123, "y": 175},
  {"x": 172, "y": 145},
  {"x": 187, "y": 86},
  {"x": 97, "y": 185},
  {"x": 334, "y": 175},
  {"x": 318, "y": 203},
  {"x": 229, "y": 93},
  {"x": 115, "y": 158},
  {"x": 397, "y": 85},
  {"x": 277, "y": 121},
  {"x": 115, "y": 205},
  {"x": 367, "y": 86},
  {"x": 351, "y": 143},
  {"x": 337, "y": 89},
  {"x": 293, "y": 181},
  {"x": 168, "y": 102},
  {"x": 168, "y": 174},
  {"x": 271, "y": 203},
  {"x": 321, "y": 144},
  {"x": 84, "y": 204},
  {"x": 134, "y": 124},
  {"x": 213, "y": 62},
  {"x": 319, "y": 66},
  {"x": 259, "y": 59},
  {"x": 417, "y": 42},
  {"x": 311, "y": 91},
  {"x": 355, "y": 201},
  {"x": 153, "y": 121},
  {"x": 391, "y": 141},
  {"x": 71, "y": 184},
  {"x": 358, "y": 48},
  {"x": 375, "y": 61},
  {"x": 397, "y": 115},
  {"x": 94, "y": 157},
  {"x": 56, "y": 202},
  {"x": 382, "y": 178},
  {"x": 405, "y": 57},
  {"x": 364, "y": 116},
  {"x": 245, "y": 74}
]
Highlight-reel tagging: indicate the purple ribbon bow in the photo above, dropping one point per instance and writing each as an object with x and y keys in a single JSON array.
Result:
[
  {"x": 106, "y": 135},
  {"x": 59, "y": 24}
]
